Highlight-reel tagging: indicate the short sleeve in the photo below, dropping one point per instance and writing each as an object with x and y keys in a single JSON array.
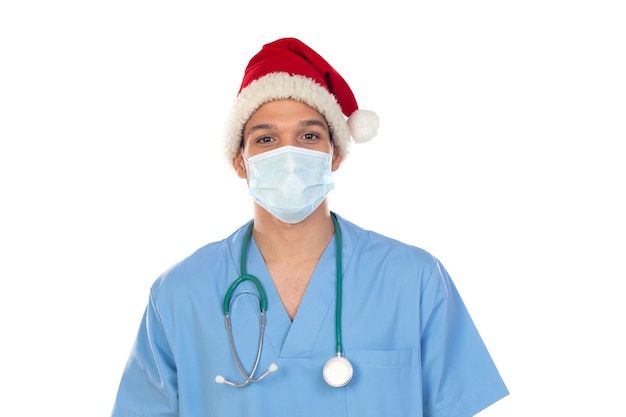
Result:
[
  {"x": 148, "y": 386},
  {"x": 459, "y": 376}
]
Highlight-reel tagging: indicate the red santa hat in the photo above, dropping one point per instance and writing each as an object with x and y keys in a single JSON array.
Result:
[{"x": 289, "y": 69}]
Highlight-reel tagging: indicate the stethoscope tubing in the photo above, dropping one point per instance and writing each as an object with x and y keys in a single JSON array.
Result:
[{"x": 339, "y": 286}]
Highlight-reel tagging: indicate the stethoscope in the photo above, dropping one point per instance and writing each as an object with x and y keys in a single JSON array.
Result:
[{"x": 337, "y": 370}]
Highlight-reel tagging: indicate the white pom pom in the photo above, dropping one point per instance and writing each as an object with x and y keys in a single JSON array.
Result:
[{"x": 363, "y": 125}]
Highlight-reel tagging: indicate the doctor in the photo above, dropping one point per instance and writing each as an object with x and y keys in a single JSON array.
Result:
[{"x": 300, "y": 312}]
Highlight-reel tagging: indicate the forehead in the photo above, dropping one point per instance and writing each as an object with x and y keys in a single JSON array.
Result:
[{"x": 284, "y": 111}]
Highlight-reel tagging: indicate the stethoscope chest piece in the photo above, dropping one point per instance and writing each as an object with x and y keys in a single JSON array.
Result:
[{"x": 337, "y": 371}]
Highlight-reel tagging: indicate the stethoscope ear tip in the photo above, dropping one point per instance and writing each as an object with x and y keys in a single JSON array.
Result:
[
  {"x": 273, "y": 367},
  {"x": 219, "y": 379}
]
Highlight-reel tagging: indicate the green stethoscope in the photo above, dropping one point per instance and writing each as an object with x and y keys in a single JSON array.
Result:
[{"x": 337, "y": 371}]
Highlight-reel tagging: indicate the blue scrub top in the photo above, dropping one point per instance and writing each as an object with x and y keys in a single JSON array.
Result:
[{"x": 413, "y": 345}]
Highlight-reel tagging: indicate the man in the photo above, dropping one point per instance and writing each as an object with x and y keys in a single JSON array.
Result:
[{"x": 300, "y": 312}]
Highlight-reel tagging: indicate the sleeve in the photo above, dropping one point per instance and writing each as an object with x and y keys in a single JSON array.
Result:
[
  {"x": 459, "y": 376},
  {"x": 148, "y": 387}
]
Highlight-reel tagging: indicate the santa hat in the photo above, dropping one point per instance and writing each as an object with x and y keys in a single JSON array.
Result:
[{"x": 289, "y": 69}]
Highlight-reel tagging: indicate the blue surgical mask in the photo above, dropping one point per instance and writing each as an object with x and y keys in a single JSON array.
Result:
[{"x": 290, "y": 182}]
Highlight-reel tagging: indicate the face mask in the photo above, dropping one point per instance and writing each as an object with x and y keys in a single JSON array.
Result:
[{"x": 290, "y": 182}]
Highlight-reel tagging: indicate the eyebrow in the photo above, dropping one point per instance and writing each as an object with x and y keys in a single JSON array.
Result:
[
  {"x": 303, "y": 123},
  {"x": 263, "y": 126},
  {"x": 312, "y": 122}
]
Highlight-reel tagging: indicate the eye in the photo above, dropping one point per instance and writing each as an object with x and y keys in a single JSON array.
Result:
[
  {"x": 311, "y": 136},
  {"x": 264, "y": 139}
]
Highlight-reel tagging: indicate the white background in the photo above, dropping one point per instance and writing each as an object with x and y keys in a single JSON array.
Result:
[{"x": 501, "y": 151}]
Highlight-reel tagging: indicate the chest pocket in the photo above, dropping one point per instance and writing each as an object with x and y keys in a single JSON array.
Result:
[{"x": 385, "y": 383}]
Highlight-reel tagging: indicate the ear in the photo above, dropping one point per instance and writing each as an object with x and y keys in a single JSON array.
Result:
[
  {"x": 337, "y": 158},
  {"x": 239, "y": 165}
]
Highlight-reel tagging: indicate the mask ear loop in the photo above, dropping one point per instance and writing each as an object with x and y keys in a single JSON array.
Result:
[
  {"x": 244, "y": 162},
  {"x": 334, "y": 154}
]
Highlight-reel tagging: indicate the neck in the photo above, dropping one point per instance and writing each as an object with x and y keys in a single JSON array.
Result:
[{"x": 307, "y": 239}]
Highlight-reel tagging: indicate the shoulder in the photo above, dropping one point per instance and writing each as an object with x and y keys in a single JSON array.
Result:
[
  {"x": 207, "y": 262},
  {"x": 372, "y": 243}
]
